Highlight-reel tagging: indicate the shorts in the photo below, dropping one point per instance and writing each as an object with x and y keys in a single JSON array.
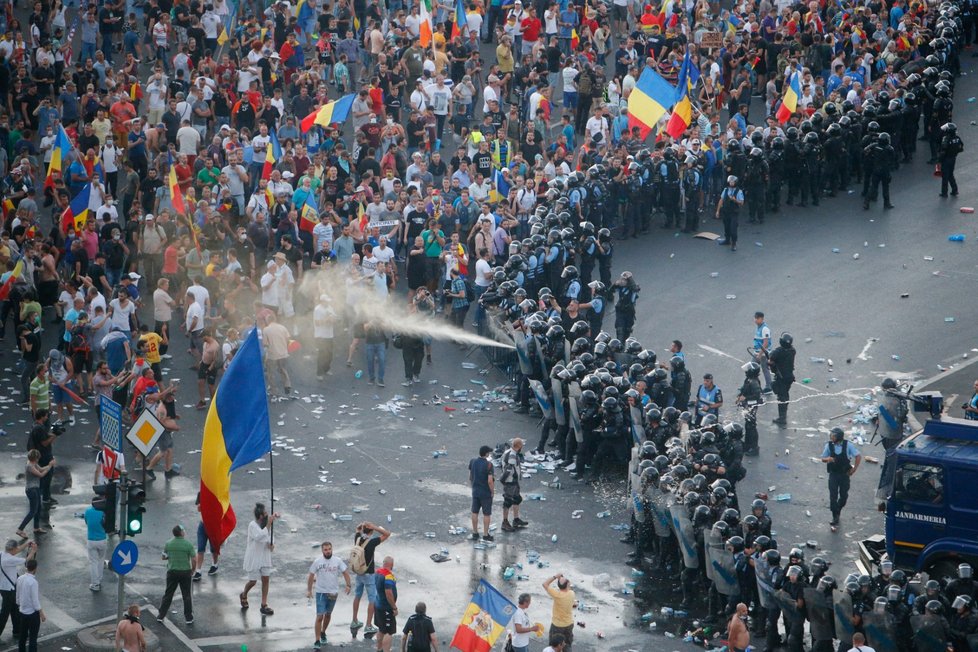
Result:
[
  {"x": 257, "y": 574},
  {"x": 202, "y": 540},
  {"x": 197, "y": 340},
  {"x": 483, "y": 503},
  {"x": 60, "y": 396},
  {"x": 165, "y": 442},
  {"x": 433, "y": 269},
  {"x": 325, "y": 603},
  {"x": 385, "y": 621},
  {"x": 366, "y": 581},
  {"x": 619, "y": 12},
  {"x": 511, "y": 495},
  {"x": 82, "y": 361},
  {"x": 208, "y": 373}
]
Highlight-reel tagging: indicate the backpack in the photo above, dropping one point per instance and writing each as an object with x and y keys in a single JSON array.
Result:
[
  {"x": 78, "y": 342},
  {"x": 358, "y": 556}
]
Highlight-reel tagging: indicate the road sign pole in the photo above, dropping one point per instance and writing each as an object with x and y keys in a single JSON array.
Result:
[{"x": 124, "y": 490}]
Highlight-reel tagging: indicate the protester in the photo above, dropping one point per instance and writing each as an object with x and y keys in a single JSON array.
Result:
[
  {"x": 324, "y": 575},
  {"x": 180, "y": 565},
  {"x": 258, "y": 557}
]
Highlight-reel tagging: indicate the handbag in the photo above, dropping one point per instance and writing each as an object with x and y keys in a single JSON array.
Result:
[{"x": 509, "y": 644}]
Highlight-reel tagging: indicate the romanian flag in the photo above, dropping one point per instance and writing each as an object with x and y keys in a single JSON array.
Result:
[
  {"x": 273, "y": 153},
  {"x": 329, "y": 113},
  {"x": 78, "y": 208},
  {"x": 575, "y": 40},
  {"x": 484, "y": 620},
  {"x": 649, "y": 101},
  {"x": 682, "y": 113},
  {"x": 734, "y": 22},
  {"x": 61, "y": 147},
  {"x": 176, "y": 196},
  {"x": 461, "y": 21},
  {"x": 9, "y": 283},
  {"x": 98, "y": 170},
  {"x": 236, "y": 433},
  {"x": 789, "y": 103},
  {"x": 308, "y": 214},
  {"x": 501, "y": 187},
  {"x": 425, "y": 27}
]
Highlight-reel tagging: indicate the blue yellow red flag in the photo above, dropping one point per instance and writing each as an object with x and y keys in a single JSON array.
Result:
[{"x": 484, "y": 620}]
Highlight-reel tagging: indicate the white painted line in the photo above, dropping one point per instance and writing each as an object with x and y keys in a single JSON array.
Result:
[
  {"x": 719, "y": 352},
  {"x": 232, "y": 639},
  {"x": 862, "y": 354},
  {"x": 964, "y": 365},
  {"x": 59, "y": 634},
  {"x": 60, "y": 618},
  {"x": 183, "y": 638}
]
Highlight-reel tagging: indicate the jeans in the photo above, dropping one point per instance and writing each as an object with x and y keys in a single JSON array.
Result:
[
  {"x": 34, "y": 511},
  {"x": 29, "y": 626},
  {"x": 87, "y": 51},
  {"x": 376, "y": 353},
  {"x": 173, "y": 580},
  {"x": 96, "y": 555},
  {"x": 480, "y": 312}
]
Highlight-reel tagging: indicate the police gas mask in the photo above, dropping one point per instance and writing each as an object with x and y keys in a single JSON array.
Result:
[{"x": 893, "y": 593}]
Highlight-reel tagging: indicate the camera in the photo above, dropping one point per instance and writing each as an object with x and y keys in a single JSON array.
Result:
[{"x": 58, "y": 429}]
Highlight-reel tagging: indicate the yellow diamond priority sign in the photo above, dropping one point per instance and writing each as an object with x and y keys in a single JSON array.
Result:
[{"x": 145, "y": 432}]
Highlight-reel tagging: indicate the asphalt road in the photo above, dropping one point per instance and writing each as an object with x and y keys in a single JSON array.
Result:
[{"x": 837, "y": 306}]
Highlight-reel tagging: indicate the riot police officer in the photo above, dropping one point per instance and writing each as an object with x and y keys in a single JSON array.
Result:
[
  {"x": 669, "y": 173},
  {"x": 951, "y": 145},
  {"x": 757, "y": 177},
  {"x": 812, "y": 154},
  {"x": 776, "y": 165},
  {"x": 794, "y": 167},
  {"x": 889, "y": 425},
  {"x": 782, "y": 363},
  {"x": 627, "y": 296},
  {"x": 834, "y": 156},
  {"x": 692, "y": 193},
  {"x": 884, "y": 162},
  {"x": 749, "y": 399}
]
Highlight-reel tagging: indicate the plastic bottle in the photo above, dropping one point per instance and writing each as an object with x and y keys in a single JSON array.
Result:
[{"x": 957, "y": 237}]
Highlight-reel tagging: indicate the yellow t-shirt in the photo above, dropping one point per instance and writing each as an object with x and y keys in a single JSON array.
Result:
[
  {"x": 563, "y": 612},
  {"x": 152, "y": 349}
]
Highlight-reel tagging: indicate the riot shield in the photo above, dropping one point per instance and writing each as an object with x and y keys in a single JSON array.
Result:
[
  {"x": 522, "y": 352},
  {"x": 573, "y": 393},
  {"x": 724, "y": 570},
  {"x": 842, "y": 614},
  {"x": 683, "y": 528},
  {"x": 880, "y": 630},
  {"x": 710, "y": 542},
  {"x": 542, "y": 398},
  {"x": 635, "y": 484},
  {"x": 820, "y": 616},
  {"x": 638, "y": 424},
  {"x": 558, "y": 393},
  {"x": 762, "y": 572},
  {"x": 659, "y": 502},
  {"x": 928, "y": 633},
  {"x": 786, "y": 603}
]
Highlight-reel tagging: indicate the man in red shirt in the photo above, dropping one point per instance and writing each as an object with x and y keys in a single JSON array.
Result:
[{"x": 530, "y": 28}]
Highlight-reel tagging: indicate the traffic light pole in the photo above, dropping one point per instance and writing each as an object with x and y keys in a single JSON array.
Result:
[{"x": 123, "y": 523}]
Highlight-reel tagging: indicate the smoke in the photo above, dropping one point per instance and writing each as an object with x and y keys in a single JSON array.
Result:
[{"x": 354, "y": 299}]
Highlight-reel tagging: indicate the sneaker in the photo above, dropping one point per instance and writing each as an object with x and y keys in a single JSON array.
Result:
[
  {"x": 94, "y": 588},
  {"x": 488, "y": 537},
  {"x": 320, "y": 377},
  {"x": 370, "y": 382},
  {"x": 200, "y": 405},
  {"x": 475, "y": 536},
  {"x": 370, "y": 629},
  {"x": 571, "y": 467},
  {"x": 407, "y": 383},
  {"x": 316, "y": 645},
  {"x": 355, "y": 623},
  {"x": 518, "y": 522},
  {"x": 197, "y": 576},
  {"x": 172, "y": 473},
  {"x": 150, "y": 474},
  {"x": 160, "y": 620},
  {"x": 322, "y": 638},
  {"x": 51, "y": 501},
  {"x": 190, "y": 621},
  {"x": 380, "y": 384},
  {"x": 213, "y": 570},
  {"x": 417, "y": 379},
  {"x": 506, "y": 527}
]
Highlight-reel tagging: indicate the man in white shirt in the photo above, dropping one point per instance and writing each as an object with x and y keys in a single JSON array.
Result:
[
  {"x": 11, "y": 564},
  {"x": 323, "y": 318},
  {"x": 859, "y": 644},
  {"x": 596, "y": 124},
  {"x": 29, "y": 604},
  {"x": 195, "y": 325},
  {"x": 522, "y": 626},
  {"x": 325, "y": 574},
  {"x": 258, "y": 557}
]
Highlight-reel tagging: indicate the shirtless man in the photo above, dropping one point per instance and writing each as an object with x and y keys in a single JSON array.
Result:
[
  {"x": 47, "y": 287},
  {"x": 738, "y": 635},
  {"x": 129, "y": 634},
  {"x": 208, "y": 368}
]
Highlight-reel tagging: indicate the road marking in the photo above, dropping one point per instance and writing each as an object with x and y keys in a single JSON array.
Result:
[
  {"x": 964, "y": 365},
  {"x": 60, "y": 633},
  {"x": 60, "y": 618},
  {"x": 183, "y": 638},
  {"x": 719, "y": 352},
  {"x": 862, "y": 354},
  {"x": 212, "y": 641}
]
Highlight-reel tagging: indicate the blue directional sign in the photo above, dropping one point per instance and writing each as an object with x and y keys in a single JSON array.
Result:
[{"x": 124, "y": 557}]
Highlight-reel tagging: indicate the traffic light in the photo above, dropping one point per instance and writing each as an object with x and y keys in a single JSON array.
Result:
[
  {"x": 105, "y": 500},
  {"x": 135, "y": 509}
]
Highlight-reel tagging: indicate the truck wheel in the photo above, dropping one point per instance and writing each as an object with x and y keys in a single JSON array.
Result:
[{"x": 944, "y": 568}]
